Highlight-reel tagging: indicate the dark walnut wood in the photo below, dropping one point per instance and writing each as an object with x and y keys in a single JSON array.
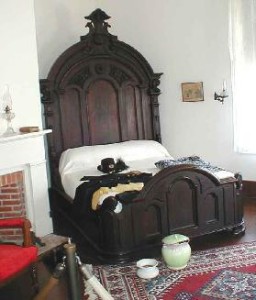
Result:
[{"x": 101, "y": 91}]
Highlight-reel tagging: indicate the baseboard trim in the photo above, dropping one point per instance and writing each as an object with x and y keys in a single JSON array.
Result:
[{"x": 249, "y": 189}]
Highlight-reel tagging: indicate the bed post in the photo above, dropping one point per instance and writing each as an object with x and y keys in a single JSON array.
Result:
[{"x": 154, "y": 92}]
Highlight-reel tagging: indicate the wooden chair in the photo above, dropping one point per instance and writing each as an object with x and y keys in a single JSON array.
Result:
[{"x": 17, "y": 271}]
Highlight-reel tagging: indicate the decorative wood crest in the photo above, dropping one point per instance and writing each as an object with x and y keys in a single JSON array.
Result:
[
  {"x": 98, "y": 24},
  {"x": 99, "y": 69},
  {"x": 45, "y": 91},
  {"x": 98, "y": 35},
  {"x": 118, "y": 75},
  {"x": 80, "y": 78},
  {"x": 155, "y": 81}
]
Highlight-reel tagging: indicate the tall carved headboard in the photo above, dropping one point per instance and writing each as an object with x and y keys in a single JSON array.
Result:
[{"x": 99, "y": 91}]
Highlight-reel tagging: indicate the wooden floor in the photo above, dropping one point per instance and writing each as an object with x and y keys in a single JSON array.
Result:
[{"x": 213, "y": 240}]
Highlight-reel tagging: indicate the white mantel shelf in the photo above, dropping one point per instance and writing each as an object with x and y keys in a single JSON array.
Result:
[{"x": 22, "y": 136}]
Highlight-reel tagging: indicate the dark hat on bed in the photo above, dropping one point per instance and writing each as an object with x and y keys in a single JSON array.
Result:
[{"x": 108, "y": 165}]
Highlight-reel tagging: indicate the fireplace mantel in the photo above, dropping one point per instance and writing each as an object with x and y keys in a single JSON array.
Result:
[
  {"x": 21, "y": 136},
  {"x": 26, "y": 152}
]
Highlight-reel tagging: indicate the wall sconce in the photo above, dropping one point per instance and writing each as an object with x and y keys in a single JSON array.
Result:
[{"x": 220, "y": 97}]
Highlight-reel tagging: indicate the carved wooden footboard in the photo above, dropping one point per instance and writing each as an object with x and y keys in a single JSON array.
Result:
[{"x": 181, "y": 199}]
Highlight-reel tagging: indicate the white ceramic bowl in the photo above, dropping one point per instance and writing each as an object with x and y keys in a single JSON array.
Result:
[{"x": 147, "y": 268}]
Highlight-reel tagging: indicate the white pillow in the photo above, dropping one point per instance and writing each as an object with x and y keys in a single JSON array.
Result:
[{"x": 87, "y": 157}]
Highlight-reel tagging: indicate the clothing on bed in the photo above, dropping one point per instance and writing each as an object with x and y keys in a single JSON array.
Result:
[
  {"x": 102, "y": 193},
  {"x": 137, "y": 154},
  {"x": 133, "y": 176},
  {"x": 82, "y": 204},
  {"x": 108, "y": 165}
]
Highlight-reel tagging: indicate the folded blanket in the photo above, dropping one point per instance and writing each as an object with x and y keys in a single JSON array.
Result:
[{"x": 190, "y": 160}]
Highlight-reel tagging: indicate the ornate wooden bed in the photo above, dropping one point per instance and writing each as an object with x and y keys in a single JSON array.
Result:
[{"x": 102, "y": 91}]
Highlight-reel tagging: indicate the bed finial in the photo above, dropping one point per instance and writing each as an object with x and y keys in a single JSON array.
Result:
[{"x": 98, "y": 24}]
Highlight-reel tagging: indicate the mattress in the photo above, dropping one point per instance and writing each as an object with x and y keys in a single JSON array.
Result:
[{"x": 83, "y": 161}]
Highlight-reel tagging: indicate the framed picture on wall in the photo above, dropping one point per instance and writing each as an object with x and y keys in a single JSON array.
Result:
[{"x": 192, "y": 91}]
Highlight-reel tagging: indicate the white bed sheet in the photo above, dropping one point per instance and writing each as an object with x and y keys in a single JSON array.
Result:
[
  {"x": 71, "y": 180},
  {"x": 139, "y": 155},
  {"x": 88, "y": 157}
]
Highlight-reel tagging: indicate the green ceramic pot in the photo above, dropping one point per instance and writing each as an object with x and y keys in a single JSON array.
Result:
[{"x": 176, "y": 251}]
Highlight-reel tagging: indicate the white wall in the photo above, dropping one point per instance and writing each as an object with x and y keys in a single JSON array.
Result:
[
  {"x": 18, "y": 61},
  {"x": 19, "y": 70},
  {"x": 187, "y": 40}
]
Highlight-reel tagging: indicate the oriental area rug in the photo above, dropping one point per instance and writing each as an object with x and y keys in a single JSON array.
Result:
[{"x": 219, "y": 273}]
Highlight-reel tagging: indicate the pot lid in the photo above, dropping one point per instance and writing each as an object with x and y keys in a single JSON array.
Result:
[{"x": 175, "y": 239}]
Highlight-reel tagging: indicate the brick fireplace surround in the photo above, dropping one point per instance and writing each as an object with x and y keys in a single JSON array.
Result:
[
  {"x": 24, "y": 183},
  {"x": 12, "y": 203}
]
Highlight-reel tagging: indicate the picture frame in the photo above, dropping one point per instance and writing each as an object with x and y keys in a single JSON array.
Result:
[{"x": 192, "y": 91}]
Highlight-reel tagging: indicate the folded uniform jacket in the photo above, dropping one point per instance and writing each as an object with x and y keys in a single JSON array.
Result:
[{"x": 104, "y": 192}]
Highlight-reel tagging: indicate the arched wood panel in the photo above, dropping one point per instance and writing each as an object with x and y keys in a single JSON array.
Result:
[
  {"x": 70, "y": 102},
  {"x": 192, "y": 198},
  {"x": 103, "y": 113},
  {"x": 182, "y": 204},
  {"x": 151, "y": 221},
  {"x": 131, "y": 112}
]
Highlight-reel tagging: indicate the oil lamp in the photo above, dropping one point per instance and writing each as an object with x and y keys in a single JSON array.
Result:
[{"x": 8, "y": 115}]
